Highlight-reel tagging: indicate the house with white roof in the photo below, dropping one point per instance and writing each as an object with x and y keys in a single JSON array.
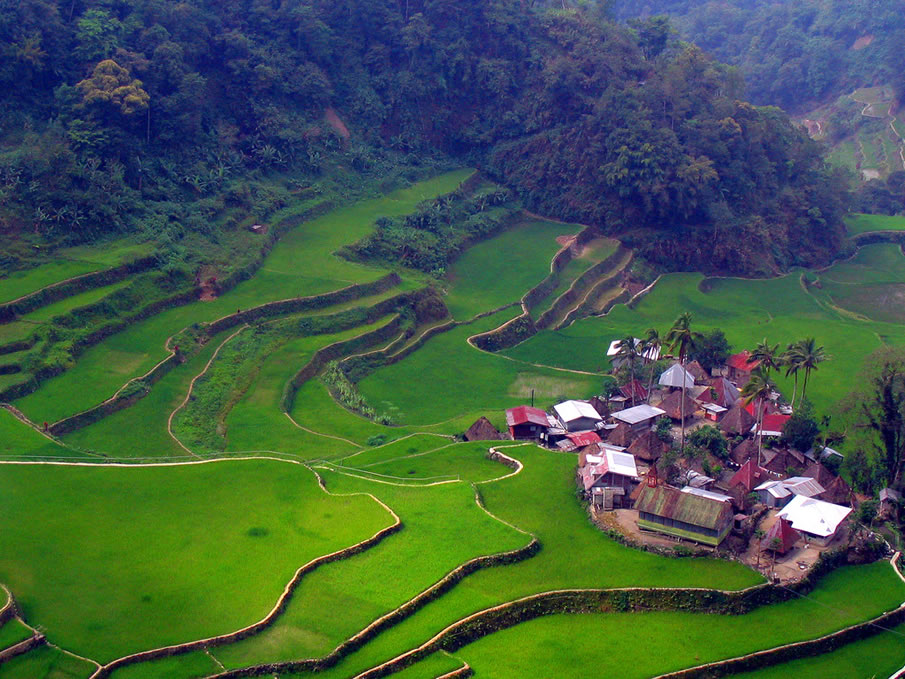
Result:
[
  {"x": 640, "y": 417},
  {"x": 778, "y": 493},
  {"x": 609, "y": 477},
  {"x": 673, "y": 377},
  {"x": 817, "y": 520},
  {"x": 577, "y": 415}
]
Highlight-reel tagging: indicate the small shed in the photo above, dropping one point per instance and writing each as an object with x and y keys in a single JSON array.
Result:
[
  {"x": 672, "y": 405},
  {"x": 482, "y": 430},
  {"x": 526, "y": 423},
  {"x": 577, "y": 415},
  {"x": 639, "y": 417},
  {"x": 634, "y": 391},
  {"x": 816, "y": 519},
  {"x": 579, "y": 439},
  {"x": 740, "y": 367},
  {"x": 686, "y": 515},
  {"x": 737, "y": 422},
  {"x": 673, "y": 377},
  {"x": 780, "y": 537},
  {"x": 713, "y": 412}
]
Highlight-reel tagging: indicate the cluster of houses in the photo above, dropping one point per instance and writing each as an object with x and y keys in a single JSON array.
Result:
[{"x": 618, "y": 443}]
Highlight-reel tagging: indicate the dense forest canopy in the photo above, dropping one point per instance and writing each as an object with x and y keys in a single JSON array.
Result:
[
  {"x": 793, "y": 53},
  {"x": 155, "y": 115}
]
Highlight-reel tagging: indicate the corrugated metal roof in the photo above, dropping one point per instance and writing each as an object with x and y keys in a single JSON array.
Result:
[
  {"x": 526, "y": 415},
  {"x": 569, "y": 411},
  {"x": 706, "y": 493},
  {"x": 740, "y": 362},
  {"x": 638, "y": 414},
  {"x": 689, "y": 508},
  {"x": 672, "y": 377},
  {"x": 814, "y": 516},
  {"x": 583, "y": 438}
]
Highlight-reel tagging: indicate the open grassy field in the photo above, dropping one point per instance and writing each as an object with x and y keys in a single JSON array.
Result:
[
  {"x": 671, "y": 641},
  {"x": 18, "y": 441},
  {"x": 115, "y": 560},
  {"x": 68, "y": 263},
  {"x": 861, "y": 223},
  {"x": 447, "y": 377},
  {"x": 595, "y": 251},
  {"x": 46, "y": 663},
  {"x": 880, "y": 656},
  {"x": 780, "y": 309},
  {"x": 26, "y": 324},
  {"x": 502, "y": 269},
  {"x": 302, "y": 263}
]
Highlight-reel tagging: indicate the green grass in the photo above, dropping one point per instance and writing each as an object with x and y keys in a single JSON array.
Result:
[
  {"x": 595, "y": 252},
  {"x": 12, "y": 632},
  {"x": 502, "y": 269},
  {"x": 301, "y": 263},
  {"x": 197, "y": 664},
  {"x": 70, "y": 262},
  {"x": 115, "y": 560},
  {"x": 844, "y": 154},
  {"x": 28, "y": 323},
  {"x": 140, "y": 431},
  {"x": 448, "y": 377},
  {"x": 862, "y": 223},
  {"x": 463, "y": 461},
  {"x": 19, "y": 441},
  {"x": 443, "y": 527},
  {"x": 747, "y": 311},
  {"x": 660, "y": 642},
  {"x": 574, "y": 553},
  {"x": 879, "y": 656},
  {"x": 46, "y": 662}
]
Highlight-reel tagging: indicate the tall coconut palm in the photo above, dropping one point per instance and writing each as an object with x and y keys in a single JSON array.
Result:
[
  {"x": 651, "y": 348},
  {"x": 628, "y": 350},
  {"x": 789, "y": 360},
  {"x": 808, "y": 355},
  {"x": 767, "y": 355},
  {"x": 758, "y": 390},
  {"x": 681, "y": 340}
]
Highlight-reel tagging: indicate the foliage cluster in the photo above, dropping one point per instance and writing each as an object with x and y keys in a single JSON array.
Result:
[
  {"x": 163, "y": 115},
  {"x": 434, "y": 234},
  {"x": 791, "y": 53},
  {"x": 348, "y": 395}
]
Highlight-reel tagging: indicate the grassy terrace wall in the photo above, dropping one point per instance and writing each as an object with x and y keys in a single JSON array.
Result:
[
  {"x": 579, "y": 288},
  {"x": 63, "y": 289},
  {"x": 138, "y": 388},
  {"x": 185, "y": 297},
  {"x": 523, "y": 327}
]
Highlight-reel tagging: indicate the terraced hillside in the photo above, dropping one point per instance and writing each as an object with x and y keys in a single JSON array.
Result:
[{"x": 269, "y": 483}]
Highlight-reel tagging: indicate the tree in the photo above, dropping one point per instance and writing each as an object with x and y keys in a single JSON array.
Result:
[
  {"x": 789, "y": 360},
  {"x": 767, "y": 355},
  {"x": 807, "y": 355},
  {"x": 651, "y": 348},
  {"x": 682, "y": 340},
  {"x": 711, "y": 349},
  {"x": 801, "y": 430},
  {"x": 758, "y": 390},
  {"x": 884, "y": 413},
  {"x": 867, "y": 512},
  {"x": 759, "y": 535},
  {"x": 710, "y": 440},
  {"x": 110, "y": 87},
  {"x": 627, "y": 351}
]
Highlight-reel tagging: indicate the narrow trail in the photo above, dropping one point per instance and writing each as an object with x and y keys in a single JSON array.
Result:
[
  {"x": 317, "y": 433},
  {"x": 188, "y": 393}
]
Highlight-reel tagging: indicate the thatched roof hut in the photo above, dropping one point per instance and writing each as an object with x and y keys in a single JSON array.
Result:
[
  {"x": 672, "y": 404},
  {"x": 482, "y": 430},
  {"x": 838, "y": 492},
  {"x": 698, "y": 372},
  {"x": 784, "y": 462},
  {"x": 744, "y": 451},
  {"x": 648, "y": 447},
  {"x": 737, "y": 422},
  {"x": 820, "y": 474},
  {"x": 621, "y": 436}
]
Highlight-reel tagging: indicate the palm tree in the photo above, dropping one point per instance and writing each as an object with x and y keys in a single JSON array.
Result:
[
  {"x": 808, "y": 355},
  {"x": 682, "y": 340},
  {"x": 627, "y": 350},
  {"x": 759, "y": 535},
  {"x": 758, "y": 389},
  {"x": 768, "y": 356},
  {"x": 650, "y": 347},
  {"x": 789, "y": 359}
]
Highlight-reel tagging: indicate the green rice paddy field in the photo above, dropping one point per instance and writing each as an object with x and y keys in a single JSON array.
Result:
[{"x": 116, "y": 559}]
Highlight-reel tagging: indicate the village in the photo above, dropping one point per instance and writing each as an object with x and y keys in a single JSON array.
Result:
[{"x": 698, "y": 458}]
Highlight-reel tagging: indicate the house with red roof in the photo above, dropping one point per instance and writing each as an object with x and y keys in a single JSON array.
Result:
[
  {"x": 740, "y": 367},
  {"x": 773, "y": 424},
  {"x": 780, "y": 537},
  {"x": 634, "y": 391},
  {"x": 526, "y": 423},
  {"x": 750, "y": 476}
]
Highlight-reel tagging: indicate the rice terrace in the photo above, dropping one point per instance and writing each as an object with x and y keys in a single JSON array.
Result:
[
  {"x": 434, "y": 340},
  {"x": 292, "y": 496}
]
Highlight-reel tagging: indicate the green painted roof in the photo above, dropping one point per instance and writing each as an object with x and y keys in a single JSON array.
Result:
[{"x": 672, "y": 503}]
